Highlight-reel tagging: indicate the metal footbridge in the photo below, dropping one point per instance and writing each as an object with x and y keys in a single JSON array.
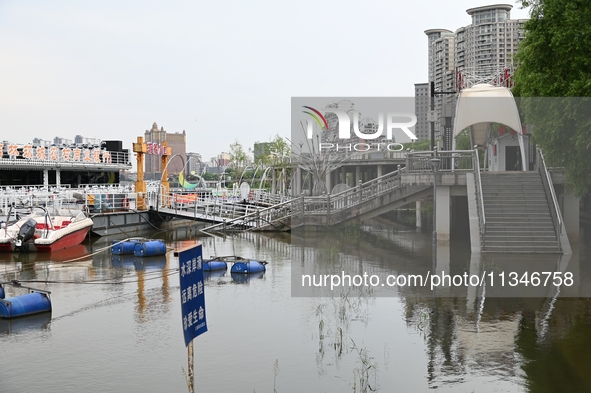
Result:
[{"x": 364, "y": 201}]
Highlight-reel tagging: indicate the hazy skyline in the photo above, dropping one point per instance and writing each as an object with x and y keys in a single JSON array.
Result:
[{"x": 220, "y": 71}]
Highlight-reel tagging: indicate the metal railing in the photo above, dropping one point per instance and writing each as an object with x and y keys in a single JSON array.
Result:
[
  {"x": 479, "y": 197},
  {"x": 352, "y": 197},
  {"x": 114, "y": 160},
  {"x": 451, "y": 160},
  {"x": 256, "y": 219},
  {"x": 549, "y": 189},
  {"x": 327, "y": 204}
]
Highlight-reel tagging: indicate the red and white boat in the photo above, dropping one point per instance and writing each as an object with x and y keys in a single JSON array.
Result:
[{"x": 45, "y": 232}]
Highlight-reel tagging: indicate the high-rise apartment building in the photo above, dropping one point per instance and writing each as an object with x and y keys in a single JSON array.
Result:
[
  {"x": 441, "y": 72},
  {"x": 481, "y": 52},
  {"x": 422, "y": 107},
  {"x": 487, "y": 46}
]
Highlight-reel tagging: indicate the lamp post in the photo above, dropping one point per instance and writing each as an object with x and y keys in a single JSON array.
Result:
[{"x": 435, "y": 163}]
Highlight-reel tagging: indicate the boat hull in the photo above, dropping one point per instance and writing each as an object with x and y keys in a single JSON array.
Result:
[{"x": 69, "y": 240}]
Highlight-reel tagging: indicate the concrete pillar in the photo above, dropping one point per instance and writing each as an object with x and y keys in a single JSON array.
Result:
[
  {"x": 328, "y": 182},
  {"x": 443, "y": 214},
  {"x": 357, "y": 174},
  {"x": 46, "y": 177},
  {"x": 570, "y": 215},
  {"x": 343, "y": 175},
  {"x": 380, "y": 170},
  {"x": 273, "y": 181},
  {"x": 298, "y": 182},
  {"x": 418, "y": 213},
  {"x": 58, "y": 180}
]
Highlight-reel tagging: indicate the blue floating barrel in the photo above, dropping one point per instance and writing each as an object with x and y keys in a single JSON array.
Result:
[
  {"x": 248, "y": 267},
  {"x": 31, "y": 303},
  {"x": 214, "y": 265},
  {"x": 149, "y": 248},
  {"x": 2, "y": 294},
  {"x": 123, "y": 248}
]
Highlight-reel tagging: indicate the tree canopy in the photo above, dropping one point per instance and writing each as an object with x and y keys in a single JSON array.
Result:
[
  {"x": 239, "y": 159},
  {"x": 554, "y": 60}
]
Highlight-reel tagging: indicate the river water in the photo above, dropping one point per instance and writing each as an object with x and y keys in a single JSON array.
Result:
[{"x": 116, "y": 323}]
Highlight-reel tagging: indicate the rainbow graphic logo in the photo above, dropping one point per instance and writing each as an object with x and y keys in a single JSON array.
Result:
[{"x": 317, "y": 116}]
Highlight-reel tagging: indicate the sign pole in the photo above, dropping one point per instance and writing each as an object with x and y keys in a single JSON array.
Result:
[
  {"x": 190, "y": 370},
  {"x": 192, "y": 303}
]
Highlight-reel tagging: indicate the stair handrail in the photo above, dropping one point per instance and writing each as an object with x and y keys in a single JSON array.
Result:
[
  {"x": 353, "y": 196},
  {"x": 479, "y": 197},
  {"x": 548, "y": 185},
  {"x": 247, "y": 218}
]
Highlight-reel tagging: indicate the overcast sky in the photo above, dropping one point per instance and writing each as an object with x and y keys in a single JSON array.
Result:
[{"x": 222, "y": 71}]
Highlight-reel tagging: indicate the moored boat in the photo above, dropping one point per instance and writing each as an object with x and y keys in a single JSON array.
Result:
[{"x": 45, "y": 232}]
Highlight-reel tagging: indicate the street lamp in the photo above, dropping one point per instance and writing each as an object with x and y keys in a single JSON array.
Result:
[{"x": 435, "y": 164}]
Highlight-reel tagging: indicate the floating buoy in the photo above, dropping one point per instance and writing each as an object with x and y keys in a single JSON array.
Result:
[
  {"x": 124, "y": 247},
  {"x": 248, "y": 267},
  {"x": 214, "y": 265},
  {"x": 149, "y": 248},
  {"x": 30, "y": 303}
]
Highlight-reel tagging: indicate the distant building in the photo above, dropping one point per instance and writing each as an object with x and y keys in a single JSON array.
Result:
[
  {"x": 81, "y": 140},
  {"x": 481, "y": 52},
  {"x": 422, "y": 105},
  {"x": 224, "y": 159},
  {"x": 195, "y": 163},
  {"x": 41, "y": 142},
  {"x": 177, "y": 141},
  {"x": 62, "y": 141}
]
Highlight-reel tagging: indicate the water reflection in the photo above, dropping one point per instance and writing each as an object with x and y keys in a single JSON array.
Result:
[
  {"x": 466, "y": 339},
  {"x": 241, "y": 278},
  {"x": 214, "y": 275},
  {"x": 471, "y": 333},
  {"x": 24, "y": 324}
]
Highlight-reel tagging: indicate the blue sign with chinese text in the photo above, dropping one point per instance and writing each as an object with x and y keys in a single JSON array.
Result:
[{"x": 192, "y": 293}]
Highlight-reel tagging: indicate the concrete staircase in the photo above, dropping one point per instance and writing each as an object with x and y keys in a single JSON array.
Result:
[{"x": 517, "y": 210}]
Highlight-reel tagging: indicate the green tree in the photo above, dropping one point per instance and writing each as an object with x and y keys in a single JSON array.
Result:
[
  {"x": 239, "y": 160},
  {"x": 554, "y": 60},
  {"x": 280, "y": 153}
]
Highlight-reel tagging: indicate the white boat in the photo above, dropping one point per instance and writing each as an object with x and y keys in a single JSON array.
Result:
[{"x": 45, "y": 231}]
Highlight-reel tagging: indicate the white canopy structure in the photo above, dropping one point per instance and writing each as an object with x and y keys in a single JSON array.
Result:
[{"x": 480, "y": 106}]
